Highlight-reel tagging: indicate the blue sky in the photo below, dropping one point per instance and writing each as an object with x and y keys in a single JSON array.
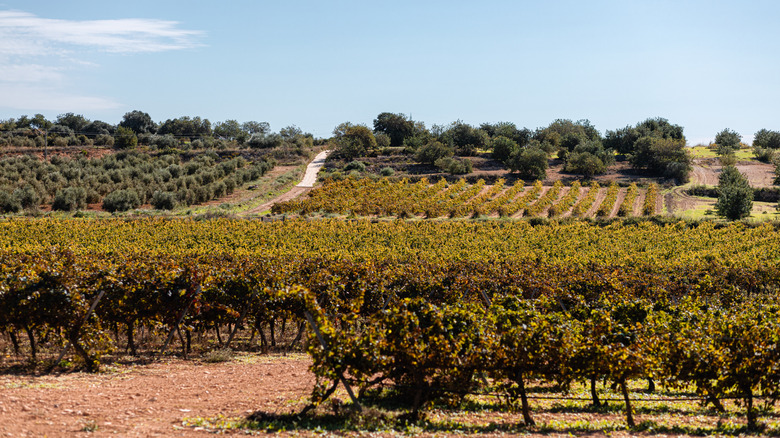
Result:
[{"x": 706, "y": 65}]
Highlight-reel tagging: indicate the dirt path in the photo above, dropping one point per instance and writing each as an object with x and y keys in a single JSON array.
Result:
[
  {"x": 150, "y": 400},
  {"x": 305, "y": 186},
  {"x": 313, "y": 168},
  {"x": 704, "y": 174}
]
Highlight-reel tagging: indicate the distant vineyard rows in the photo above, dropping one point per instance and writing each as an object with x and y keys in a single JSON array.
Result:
[{"x": 367, "y": 197}]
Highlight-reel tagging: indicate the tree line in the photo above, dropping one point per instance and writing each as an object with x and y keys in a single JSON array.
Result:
[
  {"x": 655, "y": 146},
  {"x": 138, "y": 127}
]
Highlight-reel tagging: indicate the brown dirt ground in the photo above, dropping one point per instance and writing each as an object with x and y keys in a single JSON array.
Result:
[{"x": 150, "y": 400}]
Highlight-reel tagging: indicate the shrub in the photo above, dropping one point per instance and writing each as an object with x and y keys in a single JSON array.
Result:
[
  {"x": 503, "y": 148},
  {"x": 27, "y": 197},
  {"x": 432, "y": 152},
  {"x": 121, "y": 200},
  {"x": 9, "y": 203},
  {"x": 765, "y": 155},
  {"x": 164, "y": 200},
  {"x": 735, "y": 196},
  {"x": 69, "y": 199},
  {"x": 529, "y": 162},
  {"x": 454, "y": 166},
  {"x": 387, "y": 171},
  {"x": 125, "y": 138},
  {"x": 355, "y": 165}
]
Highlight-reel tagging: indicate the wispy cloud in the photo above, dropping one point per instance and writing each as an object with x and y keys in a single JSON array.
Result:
[
  {"x": 38, "y": 54},
  {"x": 25, "y": 34}
]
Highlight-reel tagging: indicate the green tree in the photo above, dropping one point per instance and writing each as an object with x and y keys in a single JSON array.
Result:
[
  {"x": 395, "y": 126},
  {"x": 76, "y": 122},
  {"x": 465, "y": 138},
  {"x": 735, "y": 196},
  {"x": 727, "y": 141},
  {"x": 508, "y": 130},
  {"x": 139, "y": 121},
  {"x": 353, "y": 141},
  {"x": 229, "y": 129},
  {"x": 767, "y": 139},
  {"x": 662, "y": 156},
  {"x": 503, "y": 147},
  {"x": 529, "y": 162},
  {"x": 589, "y": 158},
  {"x": 432, "y": 152},
  {"x": 125, "y": 138}
]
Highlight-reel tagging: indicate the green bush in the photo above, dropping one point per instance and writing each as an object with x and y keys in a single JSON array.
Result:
[
  {"x": 529, "y": 162},
  {"x": 735, "y": 196},
  {"x": 69, "y": 199},
  {"x": 355, "y": 165},
  {"x": 387, "y": 171},
  {"x": 454, "y": 166},
  {"x": 765, "y": 155},
  {"x": 503, "y": 148},
  {"x": 9, "y": 203},
  {"x": 27, "y": 197},
  {"x": 121, "y": 200},
  {"x": 125, "y": 138},
  {"x": 164, "y": 200},
  {"x": 432, "y": 152}
]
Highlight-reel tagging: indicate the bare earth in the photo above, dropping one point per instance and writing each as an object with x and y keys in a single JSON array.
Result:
[{"x": 150, "y": 400}]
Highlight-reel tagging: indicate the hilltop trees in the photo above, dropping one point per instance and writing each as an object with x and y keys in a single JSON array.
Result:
[
  {"x": 727, "y": 142},
  {"x": 139, "y": 121},
  {"x": 395, "y": 126},
  {"x": 655, "y": 146}
]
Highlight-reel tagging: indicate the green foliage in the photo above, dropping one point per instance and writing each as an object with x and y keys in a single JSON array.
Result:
[
  {"x": 139, "y": 122},
  {"x": 27, "y": 196},
  {"x": 121, "y": 200},
  {"x": 353, "y": 141},
  {"x": 503, "y": 147},
  {"x": 186, "y": 127},
  {"x": 163, "y": 200},
  {"x": 727, "y": 142},
  {"x": 624, "y": 140},
  {"x": 662, "y": 156},
  {"x": 454, "y": 166},
  {"x": 125, "y": 138},
  {"x": 589, "y": 158},
  {"x": 465, "y": 138},
  {"x": 529, "y": 162},
  {"x": 9, "y": 203},
  {"x": 767, "y": 139},
  {"x": 70, "y": 199},
  {"x": 433, "y": 151},
  {"x": 396, "y": 126},
  {"x": 735, "y": 196},
  {"x": 508, "y": 130},
  {"x": 765, "y": 155},
  {"x": 387, "y": 171},
  {"x": 565, "y": 130},
  {"x": 355, "y": 165}
]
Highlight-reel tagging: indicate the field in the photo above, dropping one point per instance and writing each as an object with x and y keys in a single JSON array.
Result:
[
  {"x": 487, "y": 306},
  {"x": 709, "y": 287}
]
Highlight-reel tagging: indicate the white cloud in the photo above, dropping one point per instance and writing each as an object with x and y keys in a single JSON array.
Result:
[
  {"x": 38, "y": 54},
  {"x": 25, "y": 34}
]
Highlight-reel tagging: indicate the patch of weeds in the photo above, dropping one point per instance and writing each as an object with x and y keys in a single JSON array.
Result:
[
  {"x": 218, "y": 356},
  {"x": 90, "y": 426}
]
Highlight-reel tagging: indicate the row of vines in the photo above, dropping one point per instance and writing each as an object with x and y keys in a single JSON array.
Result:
[
  {"x": 366, "y": 197},
  {"x": 689, "y": 306}
]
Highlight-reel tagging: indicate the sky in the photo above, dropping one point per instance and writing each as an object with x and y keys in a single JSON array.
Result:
[{"x": 705, "y": 65}]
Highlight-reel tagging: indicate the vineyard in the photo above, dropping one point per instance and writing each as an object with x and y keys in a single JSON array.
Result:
[
  {"x": 367, "y": 197},
  {"x": 433, "y": 309}
]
